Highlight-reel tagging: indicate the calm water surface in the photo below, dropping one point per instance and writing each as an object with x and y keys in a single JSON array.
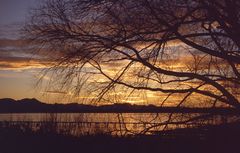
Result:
[
  {"x": 113, "y": 123},
  {"x": 92, "y": 117}
]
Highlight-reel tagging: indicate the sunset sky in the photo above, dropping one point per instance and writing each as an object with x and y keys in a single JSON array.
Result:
[
  {"x": 74, "y": 69},
  {"x": 18, "y": 70},
  {"x": 22, "y": 65}
]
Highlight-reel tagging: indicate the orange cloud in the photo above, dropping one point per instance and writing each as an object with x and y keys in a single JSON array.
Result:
[
  {"x": 22, "y": 64},
  {"x": 55, "y": 92}
]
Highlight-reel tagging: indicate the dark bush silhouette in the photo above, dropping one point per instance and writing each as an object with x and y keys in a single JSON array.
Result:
[{"x": 214, "y": 139}]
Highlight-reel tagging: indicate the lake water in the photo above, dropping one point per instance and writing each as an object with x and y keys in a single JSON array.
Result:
[{"x": 112, "y": 123}]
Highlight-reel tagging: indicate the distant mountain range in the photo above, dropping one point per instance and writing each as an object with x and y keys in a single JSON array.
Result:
[{"x": 8, "y": 105}]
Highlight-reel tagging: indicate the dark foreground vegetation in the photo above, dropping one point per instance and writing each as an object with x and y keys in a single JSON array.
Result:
[{"x": 210, "y": 139}]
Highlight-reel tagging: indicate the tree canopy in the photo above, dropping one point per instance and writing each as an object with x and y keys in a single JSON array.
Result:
[{"x": 181, "y": 48}]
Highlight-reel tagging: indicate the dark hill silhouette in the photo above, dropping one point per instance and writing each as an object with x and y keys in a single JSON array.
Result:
[
  {"x": 30, "y": 101},
  {"x": 26, "y": 105},
  {"x": 7, "y": 101}
]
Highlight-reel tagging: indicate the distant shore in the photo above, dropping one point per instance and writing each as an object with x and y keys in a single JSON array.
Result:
[{"x": 34, "y": 106}]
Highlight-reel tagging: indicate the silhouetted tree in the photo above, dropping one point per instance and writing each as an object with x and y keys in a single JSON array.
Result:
[{"x": 186, "y": 48}]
